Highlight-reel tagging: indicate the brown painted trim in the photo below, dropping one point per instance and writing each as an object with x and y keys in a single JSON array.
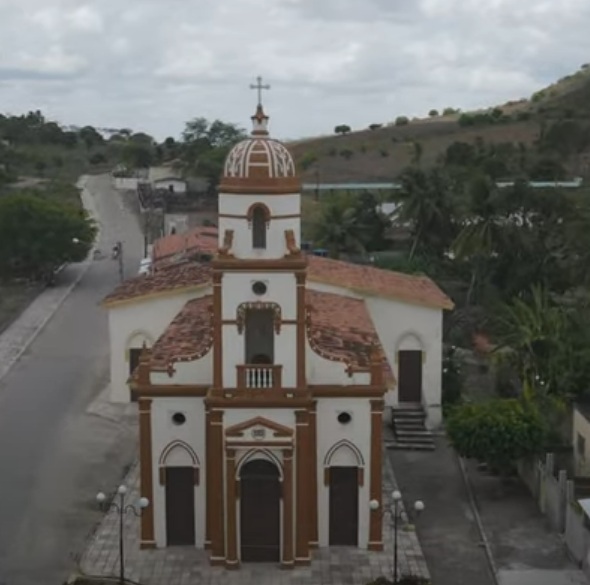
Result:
[
  {"x": 271, "y": 216},
  {"x": 217, "y": 331},
  {"x": 253, "y": 207},
  {"x": 326, "y": 476},
  {"x": 287, "y": 556},
  {"x": 375, "y": 470},
  {"x": 161, "y": 390},
  {"x": 239, "y": 322},
  {"x": 301, "y": 331},
  {"x": 288, "y": 264},
  {"x": 303, "y": 484},
  {"x": 260, "y": 186},
  {"x": 255, "y": 402},
  {"x": 361, "y": 476},
  {"x": 313, "y": 477},
  {"x": 145, "y": 468},
  {"x": 215, "y": 469},
  {"x": 230, "y": 506},
  {"x": 367, "y": 391},
  {"x": 238, "y": 443},
  {"x": 208, "y": 487},
  {"x": 162, "y": 475}
]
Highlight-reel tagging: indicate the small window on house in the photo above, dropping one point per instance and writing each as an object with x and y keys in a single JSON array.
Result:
[
  {"x": 581, "y": 445},
  {"x": 258, "y": 228}
]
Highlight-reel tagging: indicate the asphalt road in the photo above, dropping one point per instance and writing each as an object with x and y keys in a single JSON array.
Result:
[{"x": 54, "y": 457}]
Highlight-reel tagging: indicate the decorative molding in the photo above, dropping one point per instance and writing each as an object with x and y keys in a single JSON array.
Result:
[
  {"x": 182, "y": 445},
  {"x": 344, "y": 443},
  {"x": 254, "y": 207},
  {"x": 228, "y": 240},
  {"x": 291, "y": 243},
  {"x": 277, "y": 429},
  {"x": 258, "y": 306}
]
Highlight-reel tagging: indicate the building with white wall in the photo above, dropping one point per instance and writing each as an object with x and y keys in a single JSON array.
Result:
[{"x": 261, "y": 376}]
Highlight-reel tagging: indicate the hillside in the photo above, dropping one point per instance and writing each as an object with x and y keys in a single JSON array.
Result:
[{"x": 382, "y": 153}]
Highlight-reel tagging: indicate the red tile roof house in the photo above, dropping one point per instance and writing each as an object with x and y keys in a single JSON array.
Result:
[{"x": 260, "y": 359}]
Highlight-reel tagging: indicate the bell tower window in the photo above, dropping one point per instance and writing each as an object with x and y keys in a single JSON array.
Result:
[
  {"x": 259, "y": 219},
  {"x": 260, "y": 336}
]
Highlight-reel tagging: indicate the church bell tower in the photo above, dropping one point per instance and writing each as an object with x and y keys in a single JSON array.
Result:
[{"x": 259, "y": 271}]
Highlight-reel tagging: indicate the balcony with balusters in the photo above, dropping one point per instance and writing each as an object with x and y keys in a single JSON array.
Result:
[{"x": 259, "y": 376}]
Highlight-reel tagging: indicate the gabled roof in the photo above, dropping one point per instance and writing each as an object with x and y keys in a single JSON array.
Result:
[
  {"x": 379, "y": 282},
  {"x": 189, "y": 337},
  {"x": 185, "y": 275}
]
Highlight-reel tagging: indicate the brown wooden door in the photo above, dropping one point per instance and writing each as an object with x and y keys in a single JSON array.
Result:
[
  {"x": 180, "y": 506},
  {"x": 260, "y": 512},
  {"x": 344, "y": 506},
  {"x": 410, "y": 376}
]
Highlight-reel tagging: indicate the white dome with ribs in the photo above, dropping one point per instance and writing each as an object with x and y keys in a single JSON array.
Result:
[{"x": 257, "y": 157}]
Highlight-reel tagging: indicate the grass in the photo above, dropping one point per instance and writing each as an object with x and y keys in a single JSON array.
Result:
[
  {"x": 14, "y": 299},
  {"x": 360, "y": 155}
]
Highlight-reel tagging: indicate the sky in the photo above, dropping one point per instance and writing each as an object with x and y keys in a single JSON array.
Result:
[{"x": 152, "y": 65}]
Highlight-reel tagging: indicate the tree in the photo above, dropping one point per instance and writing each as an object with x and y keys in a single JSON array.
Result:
[
  {"x": 426, "y": 203},
  {"x": 37, "y": 235},
  {"x": 370, "y": 221},
  {"x": 402, "y": 121},
  {"x": 90, "y": 136},
  {"x": 498, "y": 432},
  {"x": 342, "y": 129},
  {"x": 433, "y": 113}
]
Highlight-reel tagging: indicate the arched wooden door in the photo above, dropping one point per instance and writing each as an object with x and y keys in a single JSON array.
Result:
[{"x": 260, "y": 512}]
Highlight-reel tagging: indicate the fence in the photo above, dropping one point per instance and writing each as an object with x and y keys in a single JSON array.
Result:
[{"x": 555, "y": 495}]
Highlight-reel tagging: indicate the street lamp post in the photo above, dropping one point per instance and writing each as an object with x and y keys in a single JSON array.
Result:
[
  {"x": 122, "y": 508},
  {"x": 395, "y": 513}
]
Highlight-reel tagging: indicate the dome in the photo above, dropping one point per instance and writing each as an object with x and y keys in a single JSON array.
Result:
[{"x": 259, "y": 164}]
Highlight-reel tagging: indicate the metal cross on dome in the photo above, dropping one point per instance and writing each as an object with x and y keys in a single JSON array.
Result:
[{"x": 259, "y": 86}]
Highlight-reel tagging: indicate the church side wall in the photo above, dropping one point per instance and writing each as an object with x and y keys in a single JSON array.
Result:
[
  {"x": 194, "y": 372},
  {"x": 353, "y": 448},
  {"x": 164, "y": 434},
  {"x": 320, "y": 370},
  {"x": 405, "y": 326},
  {"x": 132, "y": 324}
]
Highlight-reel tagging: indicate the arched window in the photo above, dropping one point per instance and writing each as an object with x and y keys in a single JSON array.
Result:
[{"x": 258, "y": 228}]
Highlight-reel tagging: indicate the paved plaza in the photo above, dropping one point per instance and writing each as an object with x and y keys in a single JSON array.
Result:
[{"x": 184, "y": 566}]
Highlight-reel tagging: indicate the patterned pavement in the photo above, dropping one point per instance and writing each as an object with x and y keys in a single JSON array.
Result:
[{"x": 189, "y": 566}]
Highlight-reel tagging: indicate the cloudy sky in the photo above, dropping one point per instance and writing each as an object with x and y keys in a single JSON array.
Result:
[{"x": 153, "y": 64}]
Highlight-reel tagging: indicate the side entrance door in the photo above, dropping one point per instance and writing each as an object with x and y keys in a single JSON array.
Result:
[
  {"x": 260, "y": 512},
  {"x": 344, "y": 506},
  {"x": 410, "y": 375},
  {"x": 180, "y": 506}
]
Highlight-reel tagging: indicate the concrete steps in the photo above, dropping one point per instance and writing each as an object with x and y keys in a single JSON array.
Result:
[{"x": 409, "y": 429}]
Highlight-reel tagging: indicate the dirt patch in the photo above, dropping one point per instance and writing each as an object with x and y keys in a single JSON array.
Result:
[{"x": 14, "y": 299}]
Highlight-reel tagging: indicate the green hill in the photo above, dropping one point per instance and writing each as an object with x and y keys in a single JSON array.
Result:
[{"x": 553, "y": 124}]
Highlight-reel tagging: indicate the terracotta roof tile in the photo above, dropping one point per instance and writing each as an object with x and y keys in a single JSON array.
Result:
[
  {"x": 358, "y": 277},
  {"x": 177, "y": 276},
  {"x": 340, "y": 329},
  {"x": 200, "y": 239},
  {"x": 189, "y": 336},
  {"x": 377, "y": 281}
]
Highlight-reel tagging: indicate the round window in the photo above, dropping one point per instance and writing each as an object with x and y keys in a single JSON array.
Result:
[
  {"x": 178, "y": 418},
  {"x": 259, "y": 288},
  {"x": 344, "y": 418}
]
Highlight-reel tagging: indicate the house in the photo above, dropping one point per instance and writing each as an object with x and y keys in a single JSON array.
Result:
[
  {"x": 167, "y": 179},
  {"x": 581, "y": 438},
  {"x": 261, "y": 375}
]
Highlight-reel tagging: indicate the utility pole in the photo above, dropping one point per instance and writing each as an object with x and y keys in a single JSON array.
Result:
[{"x": 120, "y": 258}]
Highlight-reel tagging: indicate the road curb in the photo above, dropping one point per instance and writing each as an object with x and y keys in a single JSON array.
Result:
[
  {"x": 478, "y": 521},
  {"x": 68, "y": 291}
]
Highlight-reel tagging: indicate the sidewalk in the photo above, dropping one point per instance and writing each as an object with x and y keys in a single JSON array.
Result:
[{"x": 187, "y": 565}]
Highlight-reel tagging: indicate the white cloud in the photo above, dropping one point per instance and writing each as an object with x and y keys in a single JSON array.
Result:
[{"x": 153, "y": 65}]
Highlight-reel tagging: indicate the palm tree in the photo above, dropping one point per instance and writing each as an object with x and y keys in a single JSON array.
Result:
[
  {"x": 337, "y": 228},
  {"x": 425, "y": 202}
]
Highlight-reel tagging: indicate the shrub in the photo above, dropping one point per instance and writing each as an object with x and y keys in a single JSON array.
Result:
[
  {"x": 332, "y": 152},
  {"x": 384, "y": 152},
  {"x": 433, "y": 113},
  {"x": 402, "y": 121},
  {"x": 347, "y": 153},
  {"x": 342, "y": 129},
  {"x": 307, "y": 160},
  {"x": 538, "y": 96},
  {"x": 497, "y": 432},
  {"x": 375, "y": 126}
]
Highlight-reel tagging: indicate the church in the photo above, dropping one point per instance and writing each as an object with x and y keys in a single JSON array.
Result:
[{"x": 261, "y": 375}]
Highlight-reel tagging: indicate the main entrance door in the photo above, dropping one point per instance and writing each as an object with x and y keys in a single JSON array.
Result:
[
  {"x": 344, "y": 506},
  {"x": 180, "y": 506},
  {"x": 260, "y": 512},
  {"x": 410, "y": 375}
]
